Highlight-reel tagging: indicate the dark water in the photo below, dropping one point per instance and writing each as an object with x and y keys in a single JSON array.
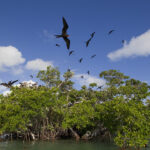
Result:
[{"x": 56, "y": 145}]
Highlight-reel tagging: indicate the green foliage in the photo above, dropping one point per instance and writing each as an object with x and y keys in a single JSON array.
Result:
[
  {"x": 50, "y": 77},
  {"x": 113, "y": 77},
  {"x": 81, "y": 115},
  {"x": 92, "y": 85},
  {"x": 50, "y": 110},
  {"x": 128, "y": 122},
  {"x": 68, "y": 75}
]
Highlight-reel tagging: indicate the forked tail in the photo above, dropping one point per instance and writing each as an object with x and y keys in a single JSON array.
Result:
[{"x": 58, "y": 36}]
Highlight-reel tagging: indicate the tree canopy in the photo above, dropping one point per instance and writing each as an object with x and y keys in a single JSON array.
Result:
[{"x": 119, "y": 111}]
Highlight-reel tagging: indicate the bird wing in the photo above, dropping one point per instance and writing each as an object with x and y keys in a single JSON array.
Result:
[
  {"x": 93, "y": 56},
  {"x": 4, "y": 84},
  {"x": 10, "y": 82},
  {"x": 81, "y": 59},
  {"x": 92, "y": 35},
  {"x": 111, "y": 31},
  {"x": 70, "y": 52},
  {"x": 13, "y": 82},
  {"x": 65, "y": 26},
  {"x": 87, "y": 42},
  {"x": 67, "y": 42}
]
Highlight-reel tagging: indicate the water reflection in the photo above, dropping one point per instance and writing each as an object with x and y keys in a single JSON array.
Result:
[{"x": 56, "y": 145}]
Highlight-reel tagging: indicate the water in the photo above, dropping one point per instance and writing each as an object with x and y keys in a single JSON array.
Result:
[{"x": 56, "y": 145}]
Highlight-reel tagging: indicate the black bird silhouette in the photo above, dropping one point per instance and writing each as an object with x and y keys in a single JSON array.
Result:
[
  {"x": 70, "y": 52},
  {"x": 80, "y": 60},
  {"x": 57, "y": 45},
  {"x": 110, "y": 32},
  {"x": 68, "y": 70},
  {"x": 93, "y": 56},
  {"x": 123, "y": 41},
  {"x": 12, "y": 82},
  {"x": 31, "y": 76},
  {"x": 88, "y": 72},
  {"x": 82, "y": 77},
  {"x": 99, "y": 87},
  {"x": 64, "y": 34},
  {"x": 4, "y": 84},
  {"x": 9, "y": 84},
  {"x": 92, "y": 35},
  {"x": 88, "y": 41}
]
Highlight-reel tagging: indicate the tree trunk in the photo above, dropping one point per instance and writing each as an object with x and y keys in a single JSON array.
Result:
[{"x": 75, "y": 134}]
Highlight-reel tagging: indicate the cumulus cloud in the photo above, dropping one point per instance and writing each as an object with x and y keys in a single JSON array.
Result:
[
  {"x": 6, "y": 93},
  {"x": 88, "y": 79},
  {"x": 2, "y": 88},
  {"x": 138, "y": 46},
  {"x": 28, "y": 83},
  {"x": 38, "y": 64},
  {"x": 9, "y": 57}
]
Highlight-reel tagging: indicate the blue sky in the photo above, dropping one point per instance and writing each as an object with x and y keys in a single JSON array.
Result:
[{"x": 27, "y": 42}]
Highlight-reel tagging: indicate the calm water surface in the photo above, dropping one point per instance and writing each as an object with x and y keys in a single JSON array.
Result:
[{"x": 56, "y": 145}]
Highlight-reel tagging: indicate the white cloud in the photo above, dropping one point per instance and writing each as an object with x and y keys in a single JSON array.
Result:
[
  {"x": 138, "y": 46},
  {"x": 28, "y": 83},
  {"x": 6, "y": 93},
  {"x": 9, "y": 57},
  {"x": 38, "y": 64},
  {"x": 2, "y": 88},
  {"x": 88, "y": 79}
]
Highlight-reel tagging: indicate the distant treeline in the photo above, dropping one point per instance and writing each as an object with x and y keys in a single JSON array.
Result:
[{"x": 118, "y": 111}]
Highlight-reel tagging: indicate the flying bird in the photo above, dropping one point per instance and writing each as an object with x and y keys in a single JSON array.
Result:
[
  {"x": 93, "y": 56},
  {"x": 82, "y": 77},
  {"x": 80, "y": 60},
  {"x": 57, "y": 45},
  {"x": 31, "y": 76},
  {"x": 64, "y": 34},
  {"x": 70, "y": 52},
  {"x": 99, "y": 87},
  {"x": 88, "y": 72},
  {"x": 123, "y": 41},
  {"x": 110, "y": 32},
  {"x": 68, "y": 70},
  {"x": 88, "y": 41},
  {"x": 9, "y": 84},
  {"x": 12, "y": 82}
]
